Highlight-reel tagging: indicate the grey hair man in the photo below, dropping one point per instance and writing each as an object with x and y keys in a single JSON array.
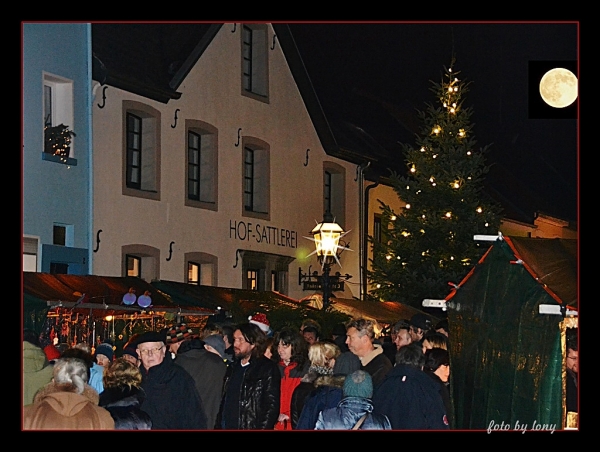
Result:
[
  {"x": 172, "y": 400},
  {"x": 360, "y": 335}
]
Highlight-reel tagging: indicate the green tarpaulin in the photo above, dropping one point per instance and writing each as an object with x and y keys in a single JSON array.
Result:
[{"x": 507, "y": 357}]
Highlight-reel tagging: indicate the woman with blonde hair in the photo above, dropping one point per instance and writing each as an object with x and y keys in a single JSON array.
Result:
[
  {"x": 322, "y": 356},
  {"x": 67, "y": 402},
  {"x": 123, "y": 395}
]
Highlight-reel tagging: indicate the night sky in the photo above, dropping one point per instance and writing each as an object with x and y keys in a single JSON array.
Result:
[{"x": 534, "y": 150}]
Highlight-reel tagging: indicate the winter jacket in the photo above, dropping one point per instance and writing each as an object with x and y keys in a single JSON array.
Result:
[
  {"x": 37, "y": 371},
  {"x": 376, "y": 364},
  {"x": 444, "y": 392},
  {"x": 59, "y": 407},
  {"x": 411, "y": 400},
  {"x": 259, "y": 395},
  {"x": 347, "y": 414},
  {"x": 123, "y": 404},
  {"x": 291, "y": 375},
  {"x": 327, "y": 393},
  {"x": 171, "y": 397},
  {"x": 303, "y": 390},
  {"x": 208, "y": 372},
  {"x": 96, "y": 376}
]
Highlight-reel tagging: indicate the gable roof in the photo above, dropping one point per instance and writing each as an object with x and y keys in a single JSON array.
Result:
[
  {"x": 152, "y": 60},
  {"x": 550, "y": 263},
  {"x": 149, "y": 59}
]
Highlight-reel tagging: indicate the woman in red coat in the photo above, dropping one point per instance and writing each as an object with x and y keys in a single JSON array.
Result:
[{"x": 293, "y": 362}]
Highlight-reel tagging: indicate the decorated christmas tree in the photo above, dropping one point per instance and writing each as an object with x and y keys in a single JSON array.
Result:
[{"x": 428, "y": 246}]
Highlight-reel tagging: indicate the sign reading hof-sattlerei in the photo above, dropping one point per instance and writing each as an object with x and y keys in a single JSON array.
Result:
[{"x": 270, "y": 235}]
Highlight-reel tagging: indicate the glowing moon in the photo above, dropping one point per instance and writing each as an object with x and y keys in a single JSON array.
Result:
[{"x": 558, "y": 87}]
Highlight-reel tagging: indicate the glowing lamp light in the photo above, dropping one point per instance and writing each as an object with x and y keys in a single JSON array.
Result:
[
  {"x": 479, "y": 210},
  {"x": 327, "y": 236}
]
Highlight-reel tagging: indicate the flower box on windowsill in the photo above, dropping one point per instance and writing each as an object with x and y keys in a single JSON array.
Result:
[
  {"x": 58, "y": 159},
  {"x": 57, "y": 144}
]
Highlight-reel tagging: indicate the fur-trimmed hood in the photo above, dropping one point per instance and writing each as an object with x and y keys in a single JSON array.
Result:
[
  {"x": 122, "y": 396},
  {"x": 337, "y": 381}
]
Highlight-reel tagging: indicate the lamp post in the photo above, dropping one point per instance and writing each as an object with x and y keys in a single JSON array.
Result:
[{"x": 326, "y": 236}]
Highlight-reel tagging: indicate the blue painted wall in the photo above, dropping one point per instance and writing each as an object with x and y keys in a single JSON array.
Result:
[{"x": 55, "y": 192}]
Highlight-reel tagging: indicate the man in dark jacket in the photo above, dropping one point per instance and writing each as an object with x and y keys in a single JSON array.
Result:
[
  {"x": 408, "y": 397},
  {"x": 207, "y": 370},
  {"x": 252, "y": 392},
  {"x": 171, "y": 397},
  {"x": 359, "y": 337}
]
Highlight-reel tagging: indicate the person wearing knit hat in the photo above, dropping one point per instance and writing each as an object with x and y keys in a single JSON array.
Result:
[
  {"x": 215, "y": 344},
  {"x": 104, "y": 354},
  {"x": 261, "y": 321},
  {"x": 346, "y": 363},
  {"x": 358, "y": 384},
  {"x": 176, "y": 335},
  {"x": 130, "y": 354},
  {"x": 355, "y": 410}
]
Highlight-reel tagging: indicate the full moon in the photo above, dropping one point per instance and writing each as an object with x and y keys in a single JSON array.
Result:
[{"x": 558, "y": 87}]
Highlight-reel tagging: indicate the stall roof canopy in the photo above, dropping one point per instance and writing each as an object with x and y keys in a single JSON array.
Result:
[
  {"x": 210, "y": 297},
  {"x": 551, "y": 262},
  {"x": 384, "y": 312},
  {"x": 104, "y": 293}
]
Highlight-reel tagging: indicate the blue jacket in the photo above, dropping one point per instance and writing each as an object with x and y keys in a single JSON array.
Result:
[
  {"x": 327, "y": 394},
  {"x": 347, "y": 414},
  {"x": 411, "y": 400}
]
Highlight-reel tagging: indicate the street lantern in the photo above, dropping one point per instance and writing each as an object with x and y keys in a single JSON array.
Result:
[
  {"x": 327, "y": 239},
  {"x": 326, "y": 236}
]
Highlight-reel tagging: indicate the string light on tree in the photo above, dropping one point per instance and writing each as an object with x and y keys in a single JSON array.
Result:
[{"x": 444, "y": 204}]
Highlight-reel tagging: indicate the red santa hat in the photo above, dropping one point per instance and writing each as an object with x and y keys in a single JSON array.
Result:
[{"x": 261, "y": 320}]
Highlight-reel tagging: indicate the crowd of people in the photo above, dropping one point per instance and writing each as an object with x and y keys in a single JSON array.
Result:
[{"x": 245, "y": 377}]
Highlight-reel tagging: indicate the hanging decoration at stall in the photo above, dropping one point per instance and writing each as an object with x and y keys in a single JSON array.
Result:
[
  {"x": 144, "y": 300},
  {"x": 129, "y": 298}
]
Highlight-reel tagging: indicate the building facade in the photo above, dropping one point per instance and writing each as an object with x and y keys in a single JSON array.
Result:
[
  {"x": 221, "y": 185},
  {"x": 57, "y": 178}
]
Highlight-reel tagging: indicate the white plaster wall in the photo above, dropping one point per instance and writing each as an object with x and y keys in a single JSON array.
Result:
[{"x": 211, "y": 92}]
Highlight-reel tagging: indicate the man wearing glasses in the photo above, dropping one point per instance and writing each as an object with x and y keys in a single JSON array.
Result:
[{"x": 171, "y": 397}]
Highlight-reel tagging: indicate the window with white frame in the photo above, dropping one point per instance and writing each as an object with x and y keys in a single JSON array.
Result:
[
  {"x": 142, "y": 261},
  {"x": 334, "y": 193},
  {"x": 255, "y": 73},
  {"x": 202, "y": 166},
  {"x": 142, "y": 146},
  {"x": 58, "y": 118},
  {"x": 201, "y": 268},
  {"x": 256, "y": 179}
]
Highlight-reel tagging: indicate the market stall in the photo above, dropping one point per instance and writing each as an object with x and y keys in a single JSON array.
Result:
[{"x": 85, "y": 308}]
